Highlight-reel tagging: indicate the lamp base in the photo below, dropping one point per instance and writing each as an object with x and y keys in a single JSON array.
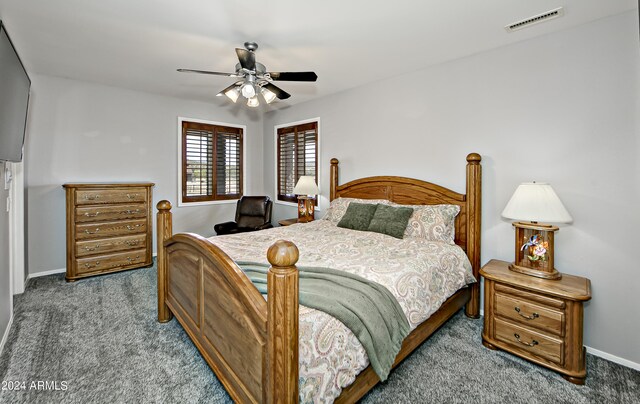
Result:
[{"x": 547, "y": 274}]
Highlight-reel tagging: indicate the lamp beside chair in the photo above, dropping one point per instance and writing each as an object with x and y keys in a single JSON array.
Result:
[{"x": 306, "y": 188}]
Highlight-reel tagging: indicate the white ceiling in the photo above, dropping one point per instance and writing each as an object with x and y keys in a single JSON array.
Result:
[{"x": 138, "y": 44}]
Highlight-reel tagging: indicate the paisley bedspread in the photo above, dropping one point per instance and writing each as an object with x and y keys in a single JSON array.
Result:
[{"x": 421, "y": 274}]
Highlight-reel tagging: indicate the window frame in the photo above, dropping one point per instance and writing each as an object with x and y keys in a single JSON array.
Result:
[
  {"x": 181, "y": 202},
  {"x": 318, "y": 160}
]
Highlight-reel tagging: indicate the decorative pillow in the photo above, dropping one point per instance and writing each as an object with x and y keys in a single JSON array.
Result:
[
  {"x": 433, "y": 222},
  {"x": 339, "y": 206},
  {"x": 358, "y": 216},
  {"x": 390, "y": 220}
]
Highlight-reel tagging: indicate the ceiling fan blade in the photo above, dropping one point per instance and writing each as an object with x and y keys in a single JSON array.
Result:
[
  {"x": 247, "y": 58},
  {"x": 294, "y": 76},
  {"x": 280, "y": 93},
  {"x": 208, "y": 72}
]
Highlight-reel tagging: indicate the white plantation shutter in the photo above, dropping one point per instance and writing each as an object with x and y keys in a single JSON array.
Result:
[
  {"x": 211, "y": 162},
  {"x": 297, "y": 156}
]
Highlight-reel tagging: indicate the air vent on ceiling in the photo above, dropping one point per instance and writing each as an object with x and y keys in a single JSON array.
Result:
[{"x": 536, "y": 19}]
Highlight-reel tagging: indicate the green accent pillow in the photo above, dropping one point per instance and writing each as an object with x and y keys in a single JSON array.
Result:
[
  {"x": 390, "y": 220},
  {"x": 358, "y": 216}
]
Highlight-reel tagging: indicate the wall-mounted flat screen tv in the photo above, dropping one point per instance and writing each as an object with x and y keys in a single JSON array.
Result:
[{"x": 14, "y": 100}]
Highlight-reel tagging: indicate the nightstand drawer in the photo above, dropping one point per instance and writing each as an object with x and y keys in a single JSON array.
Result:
[
  {"x": 530, "y": 313},
  {"x": 530, "y": 341}
]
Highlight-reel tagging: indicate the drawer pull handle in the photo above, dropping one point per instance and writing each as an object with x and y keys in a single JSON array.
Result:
[
  {"x": 91, "y": 214},
  {"x": 92, "y": 248},
  {"x": 128, "y": 212},
  {"x": 531, "y": 317},
  {"x": 133, "y": 259},
  {"x": 532, "y": 343},
  {"x": 91, "y": 197},
  {"x": 129, "y": 227},
  {"x": 132, "y": 243},
  {"x": 92, "y": 232},
  {"x": 87, "y": 265},
  {"x": 132, "y": 196}
]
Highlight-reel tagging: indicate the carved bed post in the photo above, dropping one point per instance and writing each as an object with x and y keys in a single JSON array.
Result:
[
  {"x": 282, "y": 323},
  {"x": 165, "y": 231},
  {"x": 333, "y": 179},
  {"x": 474, "y": 210}
]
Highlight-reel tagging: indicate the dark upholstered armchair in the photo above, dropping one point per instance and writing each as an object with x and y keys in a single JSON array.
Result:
[{"x": 253, "y": 213}]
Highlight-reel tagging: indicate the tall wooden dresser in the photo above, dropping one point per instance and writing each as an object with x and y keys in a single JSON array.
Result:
[{"x": 108, "y": 228}]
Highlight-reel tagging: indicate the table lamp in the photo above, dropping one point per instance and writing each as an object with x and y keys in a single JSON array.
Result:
[
  {"x": 305, "y": 187},
  {"x": 531, "y": 203}
]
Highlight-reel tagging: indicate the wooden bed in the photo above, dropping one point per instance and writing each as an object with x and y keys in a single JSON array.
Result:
[{"x": 252, "y": 344}]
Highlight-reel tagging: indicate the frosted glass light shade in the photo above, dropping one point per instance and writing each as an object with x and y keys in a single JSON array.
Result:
[
  {"x": 306, "y": 186},
  {"x": 248, "y": 90},
  {"x": 253, "y": 101},
  {"x": 536, "y": 202},
  {"x": 269, "y": 96},
  {"x": 232, "y": 94}
]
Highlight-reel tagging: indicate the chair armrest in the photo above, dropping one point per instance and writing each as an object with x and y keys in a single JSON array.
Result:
[
  {"x": 225, "y": 228},
  {"x": 265, "y": 226}
]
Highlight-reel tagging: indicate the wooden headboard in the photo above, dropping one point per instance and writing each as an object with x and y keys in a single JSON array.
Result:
[{"x": 409, "y": 191}]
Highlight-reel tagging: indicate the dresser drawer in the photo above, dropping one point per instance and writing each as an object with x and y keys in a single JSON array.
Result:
[
  {"x": 99, "y": 196},
  {"x": 107, "y": 245},
  {"x": 530, "y": 313},
  {"x": 109, "y": 229},
  {"x": 110, "y": 261},
  {"x": 110, "y": 212},
  {"x": 530, "y": 341}
]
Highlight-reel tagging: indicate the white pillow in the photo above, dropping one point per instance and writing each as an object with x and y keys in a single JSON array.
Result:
[{"x": 433, "y": 222}]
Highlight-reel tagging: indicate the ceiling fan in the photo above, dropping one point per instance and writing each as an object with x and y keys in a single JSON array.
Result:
[{"x": 255, "y": 78}]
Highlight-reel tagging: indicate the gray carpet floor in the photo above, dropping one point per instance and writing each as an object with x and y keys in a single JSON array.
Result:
[{"x": 100, "y": 336}]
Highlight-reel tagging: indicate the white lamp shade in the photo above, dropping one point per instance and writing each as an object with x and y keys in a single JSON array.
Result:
[
  {"x": 306, "y": 186},
  {"x": 536, "y": 202}
]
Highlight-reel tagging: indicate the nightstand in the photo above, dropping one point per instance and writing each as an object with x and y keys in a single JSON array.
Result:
[
  {"x": 537, "y": 319},
  {"x": 288, "y": 222}
]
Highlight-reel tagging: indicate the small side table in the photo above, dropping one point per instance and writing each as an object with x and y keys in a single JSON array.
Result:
[
  {"x": 537, "y": 319},
  {"x": 288, "y": 222}
]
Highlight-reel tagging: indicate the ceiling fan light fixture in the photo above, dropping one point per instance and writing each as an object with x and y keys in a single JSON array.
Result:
[
  {"x": 248, "y": 90},
  {"x": 269, "y": 96},
  {"x": 253, "y": 101},
  {"x": 232, "y": 94}
]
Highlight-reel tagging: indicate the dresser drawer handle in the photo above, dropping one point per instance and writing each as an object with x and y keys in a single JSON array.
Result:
[
  {"x": 128, "y": 212},
  {"x": 133, "y": 259},
  {"x": 91, "y": 197},
  {"x": 92, "y": 248},
  {"x": 132, "y": 196},
  {"x": 532, "y": 343},
  {"x": 92, "y": 232},
  {"x": 132, "y": 243},
  {"x": 531, "y": 317},
  {"x": 129, "y": 227},
  {"x": 91, "y": 214},
  {"x": 87, "y": 265}
]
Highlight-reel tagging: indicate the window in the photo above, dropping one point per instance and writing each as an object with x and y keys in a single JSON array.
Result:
[
  {"x": 297, "y": 155},
  {"x": 211, "y": 162}
]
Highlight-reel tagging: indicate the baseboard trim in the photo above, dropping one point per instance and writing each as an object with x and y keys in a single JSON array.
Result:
[
  {"x": 46, "y": 273},
  {"x": 6, "y": 333},
  {"x": 613, "y": 358}
]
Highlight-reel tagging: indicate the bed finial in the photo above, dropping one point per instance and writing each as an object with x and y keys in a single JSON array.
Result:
[
  {"x": 164, "y": 205},
  {"x": 474, "y": 158},
  {"x": 283, "y": 254}
]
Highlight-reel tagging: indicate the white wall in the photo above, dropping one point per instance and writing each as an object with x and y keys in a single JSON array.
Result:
[
  {"x": 84, "y": 132},
  {"x": 561, "y": 108},
  {"x": 5, "y": 276}
]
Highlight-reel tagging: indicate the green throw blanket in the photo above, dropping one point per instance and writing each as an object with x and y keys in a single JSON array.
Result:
[{"x": 367, "y": 308}]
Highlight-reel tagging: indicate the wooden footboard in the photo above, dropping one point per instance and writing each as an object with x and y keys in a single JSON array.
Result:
[{"x": 251, "y": 345}]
